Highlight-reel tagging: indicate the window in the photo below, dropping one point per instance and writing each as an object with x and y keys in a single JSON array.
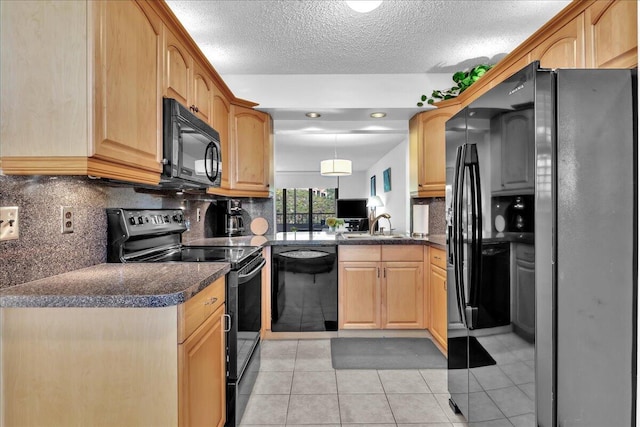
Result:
[{"x": 304, "y": 209}]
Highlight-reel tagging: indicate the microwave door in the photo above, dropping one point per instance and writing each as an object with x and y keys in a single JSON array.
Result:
[{"x": 195, "y": 155}]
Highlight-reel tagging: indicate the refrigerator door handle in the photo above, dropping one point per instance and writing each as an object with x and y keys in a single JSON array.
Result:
[
  {"x": 473, "y": 164},
  {"x": 458, "y": 244}
]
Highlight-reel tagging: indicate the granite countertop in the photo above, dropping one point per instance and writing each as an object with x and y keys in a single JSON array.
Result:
[
  {"x": 117, "y": 285},
  {"x": 314, "y": 239}
]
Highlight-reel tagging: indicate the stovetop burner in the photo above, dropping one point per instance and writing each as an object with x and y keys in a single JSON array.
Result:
[{"x": 155, "y": 236}]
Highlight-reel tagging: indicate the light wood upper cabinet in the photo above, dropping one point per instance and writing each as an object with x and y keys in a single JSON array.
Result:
[
  {"x": 564, "y": 48},
  {"x": 250, "y": 149},
  {"x": 612, "y": 34},
  {"x": 177, "y": 70},
  {"x": 380, "y": 287},
  {"x": 185, "y": 79},
  {"x": 427, "y": 152},
  {"x": 127, "y": 97},
  {"x": 202, "y": 94},
  {"x": 89, "y": 76},
  {"x": 221, "y": 123}
]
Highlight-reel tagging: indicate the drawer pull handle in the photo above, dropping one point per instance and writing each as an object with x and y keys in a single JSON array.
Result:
[
  {"x": 211, "y": 300},
  {"x": 436, "y": 257}
]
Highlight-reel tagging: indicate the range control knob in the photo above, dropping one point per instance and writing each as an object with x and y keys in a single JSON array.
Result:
[
  {"x": 140, "y": 220},
  {"x": 132, "y": 221},
  {"x": 176, "y": 218},
  {"x": 166, "y": 218}
]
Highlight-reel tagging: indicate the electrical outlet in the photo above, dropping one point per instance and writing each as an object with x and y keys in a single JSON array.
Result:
[
  {"x": 197, "y": 214},
  {"x": 9, "y": 225},
  {"x": 68, "y": 219}
]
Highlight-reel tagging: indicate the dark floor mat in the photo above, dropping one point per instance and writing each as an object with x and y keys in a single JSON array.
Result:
[
  {"x": 478, "y": 356},
  {"x": 385, "y": 353}
]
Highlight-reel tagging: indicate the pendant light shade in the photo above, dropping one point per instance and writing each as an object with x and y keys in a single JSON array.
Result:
[{"x": 335, "y": 167}]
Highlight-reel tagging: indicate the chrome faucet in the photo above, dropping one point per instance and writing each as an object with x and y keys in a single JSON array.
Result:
[{"x": 372, "y": 224}]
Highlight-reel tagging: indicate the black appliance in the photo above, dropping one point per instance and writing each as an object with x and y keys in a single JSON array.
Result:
[
  {"x": 354, "y": 213},
  {"x": 304, "y": 289},
  {"x": 224, "y": 218},
  {"x": 191, "y": 149},
  {"x": 556, "y": 150},
  {"x": 154, "y": 235}
]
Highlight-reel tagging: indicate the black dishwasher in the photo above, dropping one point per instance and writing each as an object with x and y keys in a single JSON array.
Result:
[{"x": 304, "y": 289}]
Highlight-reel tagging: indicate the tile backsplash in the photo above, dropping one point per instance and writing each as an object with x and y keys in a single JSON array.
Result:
[{"x": 42, "y": 250}]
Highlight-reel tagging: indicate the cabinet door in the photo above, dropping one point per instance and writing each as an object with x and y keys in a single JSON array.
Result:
[
  {"x": 524, "y": 301},
  {"x": 221, "y": 117},
  {"x": 612, "y": 34},
  {"x": 517, "y": 145},
  {"x": 127, "y": 104},
  {"x": 202, "y": 94},
  {"x": 359, "y": 295},
  {"x": 564, "y": 48},
  {"x": 202, "y": 374},
  {"x": 177, "y": 70},
  {"x": 431, "y": 152},
  {"x": 438, "y": 284},
  {"x": 402, "y": 295},
  {"x": 251, "y": 155}
]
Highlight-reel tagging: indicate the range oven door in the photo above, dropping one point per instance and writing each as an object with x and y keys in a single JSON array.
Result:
[{"x": 244, "y": 306}]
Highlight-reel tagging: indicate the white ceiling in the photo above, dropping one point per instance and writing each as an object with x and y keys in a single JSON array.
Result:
[{"x": 293, "y": 56}]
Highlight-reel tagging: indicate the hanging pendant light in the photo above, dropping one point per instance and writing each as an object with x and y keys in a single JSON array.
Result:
[{"x": 335, "y": 166}]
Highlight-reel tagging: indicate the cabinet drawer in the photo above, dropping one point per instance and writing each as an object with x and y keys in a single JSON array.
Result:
[
  {"x": 438, "y": 257},
  {"x": 525, "y": 252},
  {"x": 401, "y": 253},
  {"x": 359, "y": 253},
  {"x": 196, "y": 310}
]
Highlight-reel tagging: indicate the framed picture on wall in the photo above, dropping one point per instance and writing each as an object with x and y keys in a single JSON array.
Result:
[
  {"x": 372, "y": 182},
  {"x": 386, "y": 177}
]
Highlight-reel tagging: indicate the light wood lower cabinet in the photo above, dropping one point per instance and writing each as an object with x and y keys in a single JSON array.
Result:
[
  {"x": 437, "y": 284},
  {"x": 202, "y": 374},
  {"x": 376, "y": 292},
  {"x": 160, "y": 366}
]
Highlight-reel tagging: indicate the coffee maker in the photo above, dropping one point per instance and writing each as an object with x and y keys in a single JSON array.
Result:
[{"x": 224, "y": 218}]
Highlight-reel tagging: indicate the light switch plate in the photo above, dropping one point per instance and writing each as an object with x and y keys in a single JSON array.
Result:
[{"x": 9, "y": 225}]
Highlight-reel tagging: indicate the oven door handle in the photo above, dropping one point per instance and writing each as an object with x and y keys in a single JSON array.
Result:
[
  {"x": 244, "y": 278},
  {"x": 227, "y": 323}
]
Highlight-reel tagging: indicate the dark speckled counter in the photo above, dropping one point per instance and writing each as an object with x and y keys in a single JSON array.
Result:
[
  {"x": 117, "y": 285},
  {"x": 304, "y": 238}
]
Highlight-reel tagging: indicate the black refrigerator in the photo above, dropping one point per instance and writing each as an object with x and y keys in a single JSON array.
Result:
[{"x": 544, "y": 167}]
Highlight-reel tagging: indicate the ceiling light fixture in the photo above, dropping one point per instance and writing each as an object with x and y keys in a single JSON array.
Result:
[
  {"x": 313, "y": 115},
  {"x": 363, "y": 6},
  {"x": 335, "y": 166},
  {"x": 378, "y": 115}
]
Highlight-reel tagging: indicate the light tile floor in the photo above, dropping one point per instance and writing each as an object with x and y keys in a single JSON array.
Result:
[{"x": 297, "y": 386}]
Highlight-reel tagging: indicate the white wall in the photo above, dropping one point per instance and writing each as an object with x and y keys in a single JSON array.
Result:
[{"x": 396, "y": 202}]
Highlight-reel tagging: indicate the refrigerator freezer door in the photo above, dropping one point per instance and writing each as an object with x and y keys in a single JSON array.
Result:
[{"x": 596, "y": 247}]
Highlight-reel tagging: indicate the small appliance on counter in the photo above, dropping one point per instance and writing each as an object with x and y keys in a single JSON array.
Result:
[{"x": 224, "y": 218}]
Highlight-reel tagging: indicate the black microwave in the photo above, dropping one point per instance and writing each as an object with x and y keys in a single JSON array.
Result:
[{"x": 191, "y": 149}]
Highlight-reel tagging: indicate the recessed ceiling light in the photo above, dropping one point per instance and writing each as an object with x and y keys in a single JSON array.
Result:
[
  {"x": 313, "y": 115},
  {"x": 363, "y": 6},
  {"x": 378, "y": 115}
]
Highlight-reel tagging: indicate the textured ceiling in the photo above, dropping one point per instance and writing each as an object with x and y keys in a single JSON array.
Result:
[{"x": 247, "y": 38}]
